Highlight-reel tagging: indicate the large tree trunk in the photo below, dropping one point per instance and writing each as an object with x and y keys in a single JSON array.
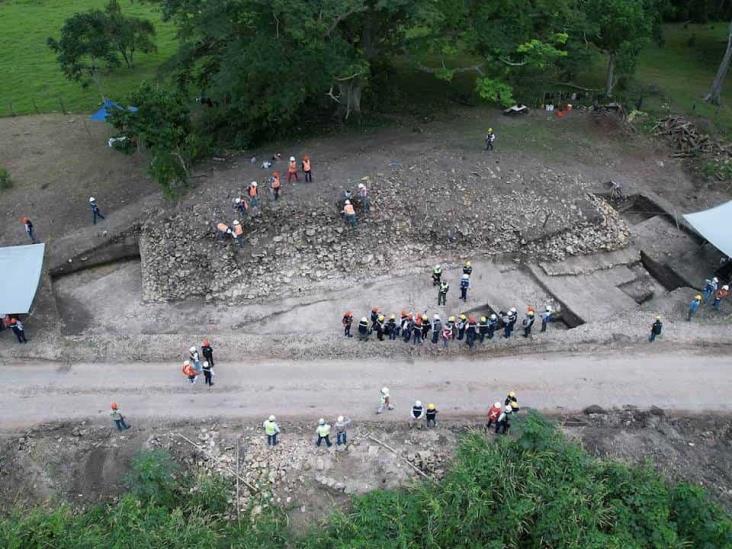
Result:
[
  {"x": 610, "y": 84},
  {"x": 715, "y": 91},
  {"x": 350, "y": 94}
]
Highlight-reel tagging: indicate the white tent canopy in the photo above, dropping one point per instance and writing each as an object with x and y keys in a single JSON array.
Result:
[
  {"x": 20, "y": 272},
  {"x": 715, "y": 225}
]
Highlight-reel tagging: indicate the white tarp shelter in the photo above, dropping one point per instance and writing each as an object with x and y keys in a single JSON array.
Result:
[
  {"x": 715, "y": 225},
  {"x": 20, "y": 273}
]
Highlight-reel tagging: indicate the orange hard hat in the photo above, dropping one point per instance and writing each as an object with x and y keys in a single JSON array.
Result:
[
  {"x": 24, "y": 219},
  {"x": 114, "y": 406},
  {"x": 206, "y": 342},
  {"x": 348, "y": 313}
]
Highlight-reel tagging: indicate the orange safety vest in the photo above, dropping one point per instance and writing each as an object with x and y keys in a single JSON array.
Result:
[
  {"x": 252, "y": 191},
  {"x": 276, "y": 182},
  {"x": 348, "y": 209},
  {"x": 238, "y": 231},
  {"x": 293, "y": 166},
  {"x": 223, "y": 227},
  {"x": 305, "y": 165},
  {"x": 188, "y": 370}
]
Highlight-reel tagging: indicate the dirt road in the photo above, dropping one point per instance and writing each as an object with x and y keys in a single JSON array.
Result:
[{"x": 681, "y": 381}]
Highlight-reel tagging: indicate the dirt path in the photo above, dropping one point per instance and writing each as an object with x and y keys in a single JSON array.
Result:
[{"x": 681, "y": 381}]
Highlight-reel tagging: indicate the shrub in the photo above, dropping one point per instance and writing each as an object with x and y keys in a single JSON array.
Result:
[{"x": 5, "y": 181}]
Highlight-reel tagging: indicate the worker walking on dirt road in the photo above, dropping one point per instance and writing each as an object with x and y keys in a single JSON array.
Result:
[
  {"x": 341, "y": 426},
  {"x": 96, "y": 212},
  {"x": 385, "y": 400},
  {"x": 207, "y": 351},
  {"x": 694, "y": 306},
  {"x": 347, "y": 323},
  {"x": 28, "y": 226},
  {"x": 323, "y": 432},
  {"x": 436, "y": 275},
  {"x": 656, "y": 329},
  {"x": 271, "y": 429},
  {"x": 118, "y": 418},
  {"x": 442, "y": 293},
  {"x": 490, "y": 138}
]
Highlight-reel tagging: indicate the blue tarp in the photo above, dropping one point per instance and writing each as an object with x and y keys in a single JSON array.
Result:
[
  {"x": 107, "y": 106},
  {"x": 20, "y": 272},
  {"x": 715, "y": 225}
]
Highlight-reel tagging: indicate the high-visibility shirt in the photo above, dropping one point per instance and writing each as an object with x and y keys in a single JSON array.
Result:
[
  {"x": 293, "y": 166},
  {"x": 238, "y": 231},
  {"x": 271, "y": 427},
  {"x": 188, "y": 370},
  {"x": 323, "y": 430},
  {"x": 348, "y": 209},
  {"x": 305, "y": 165},
  {"x": 223, "y": 227}
]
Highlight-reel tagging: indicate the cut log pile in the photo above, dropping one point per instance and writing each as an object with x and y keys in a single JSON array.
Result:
[{"x": 687, "y": 140}]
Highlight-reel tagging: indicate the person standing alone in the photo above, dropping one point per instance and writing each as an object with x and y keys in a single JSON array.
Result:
[
  {"x": 118, "y": 418},
  {"x": 306, "y": 169},
  {"x": 96, "y": 212}
]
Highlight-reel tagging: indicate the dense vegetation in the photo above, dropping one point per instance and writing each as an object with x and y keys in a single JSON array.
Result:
[{"x": 535, "y": 490}]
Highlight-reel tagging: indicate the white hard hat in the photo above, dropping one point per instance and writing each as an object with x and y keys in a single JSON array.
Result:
[
  {"x": 465, "y": 276},
  {"x": 91, "y": 199},
  {"x": 725, "y": 287},
  {"x": 493, "y": 316},
  {"x": 438, "y": 266},
  {"x": 513, "y": 309},
  {"x": 187, "y": 363},
  {"x": 548, "y": 309},
  {"x": 292, "y": 158},
  {"x": 254, "y": 183},
  {"x": 385, "y": 390},
  {"x": 192, "y": 349},
  {"x": 418, "y": 403},
  {"x": 348, "y": 202},
  {"x": 436, "y": 317},
  {"x": 271, "y": 418},
  {"x": 361, "y": 186},
  {"x": 364, "y": 319},
  {"x": 236, "y": 222},
  {"x": 321, "y": 421},
  {"x": 237, "y": 200},
  {"x": 508, "y": 408},
  {"x": 715, "y": 279},
  {"x": 340, "y": 419},
  {"x": 205, "y": 363},
  {"x": 497, "y": 404}
]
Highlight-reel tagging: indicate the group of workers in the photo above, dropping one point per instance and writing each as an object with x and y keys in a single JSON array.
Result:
[
  {"x": 247, "y": 203},
  {"x": 348, "y": 213},
  {"x": 194, "y": 366},
  {"x": 419, "y": 415}
]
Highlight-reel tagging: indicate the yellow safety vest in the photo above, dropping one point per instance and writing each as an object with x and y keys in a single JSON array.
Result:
[
  {"x": 270, "y": 427},
  {"x": 323, "y": 430}
]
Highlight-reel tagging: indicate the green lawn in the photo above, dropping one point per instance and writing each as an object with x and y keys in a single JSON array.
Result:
[
  {"x": 31, "y": 78},
  {"x": 681, "y": 71}
]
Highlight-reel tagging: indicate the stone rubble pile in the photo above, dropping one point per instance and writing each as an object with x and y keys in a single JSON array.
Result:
[{"x": 417, "y": 213}]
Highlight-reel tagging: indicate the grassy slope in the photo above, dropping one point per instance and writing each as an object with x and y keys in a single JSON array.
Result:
[
  {"x": 29, "y": 69},
  {"x": 681, "y": 74}
]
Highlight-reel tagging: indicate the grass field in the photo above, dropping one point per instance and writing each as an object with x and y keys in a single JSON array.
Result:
[
  {"x": 31, "y": 78},
  {"x": 680, "y": 71}
]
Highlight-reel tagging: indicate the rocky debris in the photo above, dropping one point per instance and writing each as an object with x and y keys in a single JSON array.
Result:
[
  {"x": 594, "y": 409},
  {"x": 417, "y": 212}
]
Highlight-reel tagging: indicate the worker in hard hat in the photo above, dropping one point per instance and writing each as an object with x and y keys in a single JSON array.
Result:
[
  {"x": 528, "y": 322},
  {"x": 208, "y": 373},
  {"x": 118, "y": 418},
  {"x": 482, "y": 328},
  {"x": 323, "y": 432},
  {"x": 241, "y": 205},
  {"x": 492, "y": 325},
  {"x": 436, "y": 275},
  {"x": 391, "y": 328},
  {"x": 417, "y": 330},
  {"x": 416, "y": 414},
  {"x": 271, "y": 429},
  {"x": 349, "y": 213},
  {"x": 493, "y": 414},
  {"x": 306, "y": 169},
  {"x": 363, "y": 195},
  {"x": 96, "y": 212},
  {"x": 341, "y": 428},
  {"x": 452, "y": 326},
  {"x": 238, "y": 233},
  {"x": 442, "y": 293},
  {"x": 207, "y": 351},
  {"x": 426, "y": 326},
  {"x": 292, "y": 170},
  {"x": 379, "y": 327},
  {"x": 464, "y": 285},
  {"x": 471, "y": 331},
  {"x": 431, "y": 415},
  {"x": 189, "y": 371},
  {"x": 253, "y": 194},
  {"x": 510, "y": 398},
  {"x": 656, "y": 329},
  {"x": 28, "y": 226},
  {"x": 710, "y": 286},
  {"x": 462, "y": 323},
  {"x": 447, "y": 334},
  {"x": 385, "y": 400},
  {"x": 363, "y": 329},
  {"x": 195, "y": 358},
  {"x": 694, "y": 306},
  {"x": 347, "y": 323},
  {"x": 223, "y": 231},
  {"x": 407, "y": 327},
  {"x": 275, "y": 183},
  {"x": 490, "y": 138},
  {"x": 436, "y": 328},
  {"x": 468, "y": 268},
  {"x": 546, "y": 317},
  {"x": 719, "y": 295},
  {"x": 504, "y": 424},
  {"x": 375, "y": 311}
]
